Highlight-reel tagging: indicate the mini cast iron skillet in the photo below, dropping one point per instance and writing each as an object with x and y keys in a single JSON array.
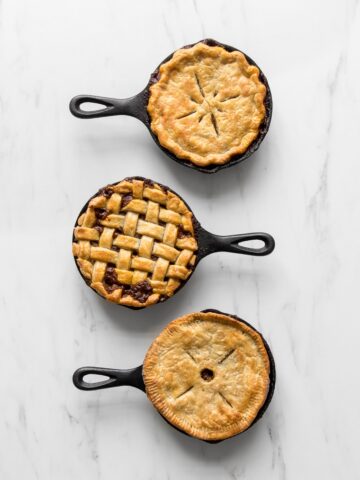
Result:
[
  {"x": 133, "y": 378},
  {"x": 136, "y": 106},
  {"x": 207, "y": 242}
]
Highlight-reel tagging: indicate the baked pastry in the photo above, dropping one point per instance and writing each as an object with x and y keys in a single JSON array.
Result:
[
  {"x": 208, "y": 374},
  {"x": 134, "y": 242},
  {"x": 207, "y": 105}
]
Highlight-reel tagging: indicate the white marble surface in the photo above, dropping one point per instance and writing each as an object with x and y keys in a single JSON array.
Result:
[{"x": 302, "y": 186}]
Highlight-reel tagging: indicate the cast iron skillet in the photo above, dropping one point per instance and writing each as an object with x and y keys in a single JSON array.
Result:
[
  {"x": 136, "y": 106},
  {"x": 133, "y": 378},
  {"x": 207, "y": 242}
]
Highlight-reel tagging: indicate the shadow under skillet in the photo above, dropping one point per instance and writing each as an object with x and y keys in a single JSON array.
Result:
[
  {"x": 204, "y": 186},
  {"x": 238, "y": 446},
  {"x": 231, "y": 179},
  {"x": 191, "y": 298},
  {"x": 155, "y": 317},
  {"x": 115, "y": 404}
]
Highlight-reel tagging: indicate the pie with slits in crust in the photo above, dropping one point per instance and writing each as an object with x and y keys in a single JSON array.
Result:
[
  {"x": 207, "y": 104},
  {"x": 208, "y": 374},
  {"x": 135, "y": 243}
]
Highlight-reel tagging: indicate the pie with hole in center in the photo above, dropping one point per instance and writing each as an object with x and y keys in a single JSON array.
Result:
[
  {"x": 208, "y": 374},
  {"x": 207, "y": 105},
  {"x": 135, "y": 243}
]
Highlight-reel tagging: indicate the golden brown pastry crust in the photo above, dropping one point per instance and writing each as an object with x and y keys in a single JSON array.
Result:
[
  {"x": 135, "y": 243},
  {"x": 206, "y": 407},
  {"x": 208, "y": 104}
]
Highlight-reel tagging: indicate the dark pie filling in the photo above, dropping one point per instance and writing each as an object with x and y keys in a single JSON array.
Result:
[
  {"x": 140, "y": 291},
  {"x": 106, "y": 192},
  {"x": 110, "y": 280},
  {"x": 155, "y": 77},
  {"x": 149, "y": 183},
  {"x": 126, "y": 199},
  {"x": 101, "y": 213},
  {"x": 182, "y": 233}
]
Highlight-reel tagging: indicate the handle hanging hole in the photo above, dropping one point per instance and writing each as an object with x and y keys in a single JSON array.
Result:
[
  {"x": 92, "y": 107},
  {"x": 94, "y": 378},
  {"x": 254, "y": 244}
]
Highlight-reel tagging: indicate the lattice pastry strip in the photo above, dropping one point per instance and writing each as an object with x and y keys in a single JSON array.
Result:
[{"x": 135, "y": 242}]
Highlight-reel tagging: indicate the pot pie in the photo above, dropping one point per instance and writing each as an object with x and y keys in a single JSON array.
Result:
[
  {"x": 135, "y": 242},
  {"x": 207, "y": 104},
  {"x": 208, "y": 374}
]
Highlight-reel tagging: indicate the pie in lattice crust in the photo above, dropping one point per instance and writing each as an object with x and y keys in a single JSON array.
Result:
[
  {"x": 135, "y": 242},
  {"x": 208, "y": 104},
  {"x": 208, "y": 374}
]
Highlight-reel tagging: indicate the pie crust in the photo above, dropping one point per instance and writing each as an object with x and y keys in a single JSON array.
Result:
[
  {"x": 207, "y": 105},
  {"x": 135, "y": 243},
  {"x": 208, "y": 374}
]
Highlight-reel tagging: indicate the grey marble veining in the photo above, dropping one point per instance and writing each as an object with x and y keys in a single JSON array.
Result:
[{"x": 301, "y": 186}]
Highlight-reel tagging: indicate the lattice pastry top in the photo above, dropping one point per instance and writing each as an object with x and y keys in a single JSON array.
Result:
[
  {"x": 135, "y": 243},
  {"x": 208, "y": 104},
  {"x": 208, "y": 374}
]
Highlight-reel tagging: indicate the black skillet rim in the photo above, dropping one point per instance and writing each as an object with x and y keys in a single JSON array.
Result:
[
  {"x": 196, "y": 225},
  {"x": 264, "y": 127},
  {"x": 272, "y": 379}
]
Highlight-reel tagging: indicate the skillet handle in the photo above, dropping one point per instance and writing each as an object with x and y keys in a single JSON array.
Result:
[
  {"x": 133, "y": 106},
  {"x": 132, "y": 377},
  {"x": 232, "y": 243}
]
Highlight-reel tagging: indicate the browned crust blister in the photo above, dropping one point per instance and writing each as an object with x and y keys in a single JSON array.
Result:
[
  {"x": 135, "y": 243},
  {"x": 208, "y": 408},
  {"x": 208, "y": 104}
]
